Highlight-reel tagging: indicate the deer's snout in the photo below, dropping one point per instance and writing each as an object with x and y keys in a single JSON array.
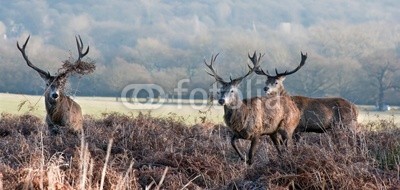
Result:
[
  {"x": 266, "y": 89},
  {"x": 54, "y": 95},
  {"x": 221, "y": 101}
]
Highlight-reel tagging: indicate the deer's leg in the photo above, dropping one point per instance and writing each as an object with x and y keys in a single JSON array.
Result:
[
  {"x": 296, "y": 138},
  {"x": 53, "y": 129},
  {"x": 289, "y": 140},
  {"x": 296, "y": 135},
  {"x": 284, "y": 136},
  {"x": 277, "y": 143},
  {"x": 287, "y": 136},
  {"x": 253, "y": 148},
  {"x": 233, "y": 143},
  {"x": 286, "y": 133}
]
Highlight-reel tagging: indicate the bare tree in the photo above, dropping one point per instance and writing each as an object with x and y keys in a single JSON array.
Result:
[
  {"x": 345, "y": 74},
  {"x": 314, "y": 80},
  {"x": 382, "y": 68}
]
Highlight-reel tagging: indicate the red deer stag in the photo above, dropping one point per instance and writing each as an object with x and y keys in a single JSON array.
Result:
[
  {"x": 252, "y": 118},
  {"x": 317, "y": 114},
  {"x": 61, "y": 109}
]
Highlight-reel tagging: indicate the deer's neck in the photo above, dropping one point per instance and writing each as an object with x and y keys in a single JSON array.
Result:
[
  {"x": 53, "y": 105},
  {"x": 234, "y": 115},
  {"x": 280, "y": 92}
]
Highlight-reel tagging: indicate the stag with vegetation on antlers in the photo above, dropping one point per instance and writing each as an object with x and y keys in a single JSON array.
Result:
[
  {"x": 61, "y": 109},
  {"x": 317, "y": 114},
  {"x": 252, "y": 118}
]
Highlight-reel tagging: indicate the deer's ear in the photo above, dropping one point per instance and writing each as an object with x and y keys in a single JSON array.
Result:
[
  {"x": 282, "y": 78},
  {"x": 47, "y": 79},
  {"x": 47, "y": 82},
  {"x": 46, "y": 76},
  {"x": 236, "y": 82}
]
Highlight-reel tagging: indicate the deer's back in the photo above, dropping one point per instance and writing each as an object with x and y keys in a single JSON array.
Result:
[{"x": 320, "y": 114}]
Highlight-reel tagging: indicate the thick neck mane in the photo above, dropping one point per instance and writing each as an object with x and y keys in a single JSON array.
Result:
[
  {"x": 281, "y": 92},
  {"x": 57, "y": 110},
  {"x": 235, "y": 117},
  {"x": 54, "y": 106}
]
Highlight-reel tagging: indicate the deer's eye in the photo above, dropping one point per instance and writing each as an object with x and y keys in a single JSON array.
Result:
[
  {"x": 231, "y": 91},
  {"x": 276, "y": 83}
]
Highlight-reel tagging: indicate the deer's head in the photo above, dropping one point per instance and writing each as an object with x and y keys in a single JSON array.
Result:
[
  {"x": 228, "y": 93},
  {"x": 55, "y": 84},
  {"x": 274, "y": 83}
]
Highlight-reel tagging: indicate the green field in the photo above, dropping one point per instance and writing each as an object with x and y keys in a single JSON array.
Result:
[{"x": 96, "y": 106}]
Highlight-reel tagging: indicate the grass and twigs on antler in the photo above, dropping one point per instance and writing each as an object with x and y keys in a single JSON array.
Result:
[{"x": 77, "y": 67}]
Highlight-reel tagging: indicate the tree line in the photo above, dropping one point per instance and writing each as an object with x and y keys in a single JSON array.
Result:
[{"x": 353, "y": 53}]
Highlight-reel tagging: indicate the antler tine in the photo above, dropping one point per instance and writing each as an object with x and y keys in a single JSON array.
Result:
[
  {"x": 303, "y": 57},
  {"x": 28, "y": 62},
  {"x": 211, "y": 68},
  {"x": 210, "y": 65},
  {"x": 256, "y": 63},
  {"x": 302, "y": 62},
  {"x": 79, "y": 44},
  {"x": 276, "y": 71}
]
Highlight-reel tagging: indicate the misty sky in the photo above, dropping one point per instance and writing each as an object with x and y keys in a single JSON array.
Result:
[
  {"x": 169, "y": 39},
  {"x": 120, "y": 28}
]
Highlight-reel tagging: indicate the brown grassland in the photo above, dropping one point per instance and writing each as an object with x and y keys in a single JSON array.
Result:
[
  {"x": 155, "y": 150},
  {"x": 119, "y": 151}
]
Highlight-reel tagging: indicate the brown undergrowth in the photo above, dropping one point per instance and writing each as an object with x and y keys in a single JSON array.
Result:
[{"x": 144, "y": 152}]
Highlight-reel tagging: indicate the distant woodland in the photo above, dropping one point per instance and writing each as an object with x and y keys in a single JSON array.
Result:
[{"x": 353, "y": 46}]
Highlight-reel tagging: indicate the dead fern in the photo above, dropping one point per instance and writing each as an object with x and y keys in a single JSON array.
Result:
[{"x": 31, "y": 107}]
